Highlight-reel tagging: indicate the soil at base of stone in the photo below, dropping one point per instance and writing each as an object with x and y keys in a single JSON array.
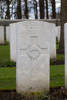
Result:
[{"x": 58, "y": 93}]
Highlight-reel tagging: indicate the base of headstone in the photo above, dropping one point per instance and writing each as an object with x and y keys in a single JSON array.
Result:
[
  {"x": 30, "y": 92},
  {"x": 33, "y": 96}
]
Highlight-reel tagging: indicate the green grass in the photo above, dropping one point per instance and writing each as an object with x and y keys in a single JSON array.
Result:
[
  {"x": 57, "y": 75},
  {"x": 8, "y": 77},
  {"x": 60, "y": 57},
  {"x": 5, "y": 56}
]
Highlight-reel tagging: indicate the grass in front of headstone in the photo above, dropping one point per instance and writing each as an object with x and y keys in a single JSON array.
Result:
[
  {"x": 8, "y": 77},
  {"x": 5, "y": 56},
  {"x": 57, "y": 76},
  {"x": 60, "y": 57}
]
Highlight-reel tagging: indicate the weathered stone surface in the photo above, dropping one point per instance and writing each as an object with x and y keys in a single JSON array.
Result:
[
  {"x": 13, "y": 42},
  {"x": 8, "y": 33},
  {"x": 43, "y": 30},
  {"x": 65, "y": 38},
  {"x": 33, "y": 56},
  {"x": 52, "y": 41},
  {"x": 1, "y": 35}
]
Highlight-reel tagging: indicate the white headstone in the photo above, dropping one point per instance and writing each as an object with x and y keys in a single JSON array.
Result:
[
  {"x": 8, "y": 33},
  {"x": 42, "y": 30},
  {"x": 33, "y": 57},
  {"x": 65, "y": 38},
  {"x": 13, "y": 42},
  {"x": 1, "y": 35},
  {"x": 53, "y": 41}
]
